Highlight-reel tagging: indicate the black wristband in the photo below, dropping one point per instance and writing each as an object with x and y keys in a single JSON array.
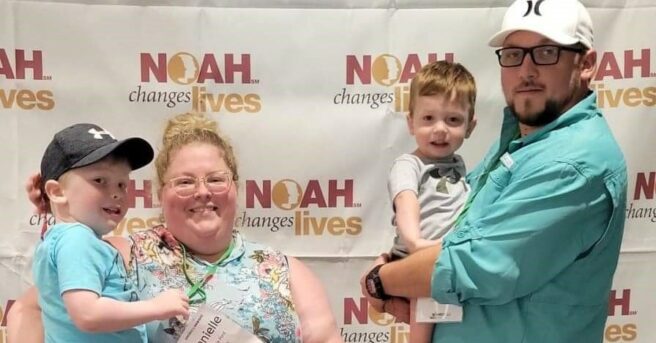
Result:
[{"x": 375, "y": 285}]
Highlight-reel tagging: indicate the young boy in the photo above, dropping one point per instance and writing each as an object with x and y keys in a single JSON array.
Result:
[
  {"x": 427, "y": 186},
  {"x": 83, "y": 291}
]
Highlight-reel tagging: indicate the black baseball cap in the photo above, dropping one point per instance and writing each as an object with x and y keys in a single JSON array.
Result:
[{"x": 80, "y": 145}]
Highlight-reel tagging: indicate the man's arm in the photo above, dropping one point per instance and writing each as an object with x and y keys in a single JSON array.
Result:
[
  {"x": 409, "y": 277},
  {"x": 536, "y": 228}
]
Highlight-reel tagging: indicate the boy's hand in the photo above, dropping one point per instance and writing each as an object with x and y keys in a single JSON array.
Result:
[
  {"x": 421, "y": 244},
  {"x": 171, "y": 303}
]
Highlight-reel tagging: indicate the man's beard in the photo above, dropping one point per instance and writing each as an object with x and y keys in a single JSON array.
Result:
[{"x": 551, "y": 111}]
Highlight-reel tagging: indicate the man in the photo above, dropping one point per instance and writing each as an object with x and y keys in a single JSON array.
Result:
[{"x": 534, "y": 251}]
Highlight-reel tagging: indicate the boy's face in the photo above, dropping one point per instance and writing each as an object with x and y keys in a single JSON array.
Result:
[
  {"x": 96, "y": 194},
  {"x": 440, "y": 125}
]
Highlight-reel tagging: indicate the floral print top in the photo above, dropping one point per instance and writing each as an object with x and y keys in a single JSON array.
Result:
[{"x": 251, "y": 286}]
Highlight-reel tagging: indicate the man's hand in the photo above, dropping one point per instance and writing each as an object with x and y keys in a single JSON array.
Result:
[
  {"x": 377, "y": 304},
  {"x": 396, "y": 306},
  {"x": 399, "y": 308}
]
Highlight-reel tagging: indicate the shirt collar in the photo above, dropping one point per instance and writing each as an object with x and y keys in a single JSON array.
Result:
[{"x": 510, "y": 138}]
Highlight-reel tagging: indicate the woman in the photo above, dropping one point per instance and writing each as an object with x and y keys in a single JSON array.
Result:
[{"x": 274, "y": 297}]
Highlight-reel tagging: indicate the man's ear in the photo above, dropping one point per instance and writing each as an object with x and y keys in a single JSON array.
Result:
[
  {"x": 588, "y": 65},
  {"x": 471, "y": 126},
  {"x": 55, "y": 192}
]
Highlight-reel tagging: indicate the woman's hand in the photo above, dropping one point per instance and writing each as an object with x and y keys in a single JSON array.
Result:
[{"x": 33, "y": 189}]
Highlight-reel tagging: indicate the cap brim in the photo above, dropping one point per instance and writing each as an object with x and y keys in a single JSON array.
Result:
[
  {"x": 497, "y": 40},
  {"x": 137, "y": 151}
]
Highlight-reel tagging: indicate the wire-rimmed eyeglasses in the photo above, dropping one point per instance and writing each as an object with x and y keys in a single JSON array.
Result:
[{"x": 218, "y": 182}]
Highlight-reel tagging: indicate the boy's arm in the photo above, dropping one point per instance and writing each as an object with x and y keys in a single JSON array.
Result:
[
  {"x": 91, "y": 313},
  {"x": 24, "y": 319},
  {"x": 407, "y": 221},
  {"x": 83, "y": 262}
]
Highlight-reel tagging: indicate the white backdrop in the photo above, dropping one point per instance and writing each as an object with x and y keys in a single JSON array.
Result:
[{"x": 312, "y": 95}]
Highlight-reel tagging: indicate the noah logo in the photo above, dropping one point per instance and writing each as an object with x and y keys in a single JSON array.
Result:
[{"x": 530, "y": 8}]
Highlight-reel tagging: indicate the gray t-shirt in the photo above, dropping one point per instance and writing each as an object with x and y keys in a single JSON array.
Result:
[{"x": 441, "y": 196}]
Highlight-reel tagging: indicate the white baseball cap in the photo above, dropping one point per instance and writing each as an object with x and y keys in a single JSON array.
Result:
[{"x": 565, "y": 22}]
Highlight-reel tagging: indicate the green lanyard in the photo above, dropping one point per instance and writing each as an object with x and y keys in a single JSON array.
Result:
[{"x": 197, "y": 288}]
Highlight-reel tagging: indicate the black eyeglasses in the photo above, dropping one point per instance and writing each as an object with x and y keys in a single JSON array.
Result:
[{"x": 541, "y": 54}]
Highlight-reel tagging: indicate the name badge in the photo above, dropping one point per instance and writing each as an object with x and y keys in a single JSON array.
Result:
[
  {"x": 208, "y": 325},
  {"x": 507, "y": 160},
  {"x": 430, "y": 311}
]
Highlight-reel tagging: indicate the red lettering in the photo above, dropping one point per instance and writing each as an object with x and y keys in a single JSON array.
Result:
[
  {"x": 244, "y": 68},
  {"x": 157, "y": 69},
  {"x": 608, "y": 67},
  {"x": 263, "y": 195},
  {"x": 624, "y": 302},
  {"x": 209, "y": 69},
  {"x": 353, "y": 68},
  {"x": 630, "y": 62},
  {"x": 645, "y": 185},
  {"x": 351, "y": 309}
]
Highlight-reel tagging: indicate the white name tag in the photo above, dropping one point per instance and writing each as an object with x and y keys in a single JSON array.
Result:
[
  {"x": 212, "y": 326},
  {"x": 430, "y": 311},
  {"x": 507, "y": 160}
]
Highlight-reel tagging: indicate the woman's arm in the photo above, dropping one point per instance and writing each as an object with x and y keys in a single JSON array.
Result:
[
  {"x": 311, "y": 303},
  {"x": 24, "y": 319}
]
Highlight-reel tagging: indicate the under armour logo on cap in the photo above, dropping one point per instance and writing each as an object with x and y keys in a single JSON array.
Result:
[{"x": 98, "y": 134}]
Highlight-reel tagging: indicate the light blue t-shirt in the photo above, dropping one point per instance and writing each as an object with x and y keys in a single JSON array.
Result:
[{"x": 71, "y": 257}]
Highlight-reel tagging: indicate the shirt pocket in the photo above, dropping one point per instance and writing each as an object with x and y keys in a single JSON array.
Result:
[{"x": 496, "y": 183}]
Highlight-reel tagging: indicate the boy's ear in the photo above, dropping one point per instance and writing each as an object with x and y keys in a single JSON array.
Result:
[
  {"x": 471, "y": 126},
  {"x": 55, "y": 192},
  {"x": 408, "y": 120}
]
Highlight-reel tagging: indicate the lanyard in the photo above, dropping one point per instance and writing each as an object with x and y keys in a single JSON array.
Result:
[{"x": 197, "y": 287}]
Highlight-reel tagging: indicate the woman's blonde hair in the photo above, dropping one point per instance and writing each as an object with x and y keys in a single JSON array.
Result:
[{"x": 187, "y": 128}]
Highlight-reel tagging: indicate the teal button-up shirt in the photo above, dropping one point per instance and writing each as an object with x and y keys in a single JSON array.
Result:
[{"x": 533, "y": 258}]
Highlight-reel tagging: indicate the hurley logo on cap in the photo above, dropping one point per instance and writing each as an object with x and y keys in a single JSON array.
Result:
[{"x": 536, "y": 11}]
